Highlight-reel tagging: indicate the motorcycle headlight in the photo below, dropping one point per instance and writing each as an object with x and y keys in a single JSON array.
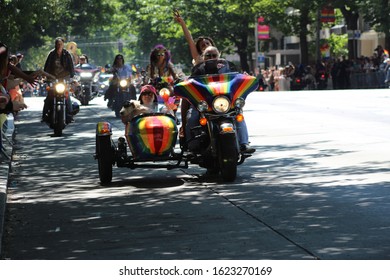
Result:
[
  {"x": 221, "y": 104},
  {"x": 239, "y": 103},
  {"x": 86, "y": 75},
  {"x": 123, "y": 83},
  {"x": 60, "y": 88},
  {"x": 202, "y": 106},
  {"x": 164, "y": 93}
]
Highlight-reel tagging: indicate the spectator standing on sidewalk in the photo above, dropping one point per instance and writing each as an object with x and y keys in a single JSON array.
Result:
[
  {"x": 387, "y": 72},
  {"x": 6, "y": 68}
]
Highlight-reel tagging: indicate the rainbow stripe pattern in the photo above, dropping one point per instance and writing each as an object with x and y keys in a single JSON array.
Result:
[
  {"x": 103, "y": 128},
  {"x": 151, "y": 136},
  {"x": 233, "y": 85}
]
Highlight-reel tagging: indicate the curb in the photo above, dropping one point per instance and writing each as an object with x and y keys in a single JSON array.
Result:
[{"x": 7, "y": 145}]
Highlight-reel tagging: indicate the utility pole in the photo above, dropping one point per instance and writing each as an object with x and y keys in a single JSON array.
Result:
[
  {"x": 256, "y": 45},
  {"x": 318, "y": 32}
]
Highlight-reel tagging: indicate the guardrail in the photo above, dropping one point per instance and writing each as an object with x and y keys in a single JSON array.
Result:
[{"x": 368, "y": 80}]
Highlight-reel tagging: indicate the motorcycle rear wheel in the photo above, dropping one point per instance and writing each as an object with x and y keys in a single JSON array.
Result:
[{"x": 105, "y": 158}]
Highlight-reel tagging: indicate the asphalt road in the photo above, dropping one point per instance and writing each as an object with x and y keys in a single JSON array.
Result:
[{"x": 317, "y": 188}]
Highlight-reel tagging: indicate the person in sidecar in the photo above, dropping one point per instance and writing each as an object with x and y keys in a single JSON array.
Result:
[
  {"x": 213, "y": 64},
  {"x": 148, "y": 97},
  {"x": 146, "y": 103}
]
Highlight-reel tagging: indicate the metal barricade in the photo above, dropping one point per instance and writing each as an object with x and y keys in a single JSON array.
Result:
[{"x": 368, "y": 80}]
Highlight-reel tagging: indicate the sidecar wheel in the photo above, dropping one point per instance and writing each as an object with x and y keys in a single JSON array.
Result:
[{"x": 105, "y": 158}]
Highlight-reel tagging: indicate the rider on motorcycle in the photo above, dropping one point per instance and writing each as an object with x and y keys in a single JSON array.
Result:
[
  {"x": 212, "y": 53},
  {"x": 83, "y": 59},
  {"x": 59, "y": 63},
  {"x": 88, "y": 75},
  {"x": 161, "y": 71},
  {"x": 120, "y": 71}
]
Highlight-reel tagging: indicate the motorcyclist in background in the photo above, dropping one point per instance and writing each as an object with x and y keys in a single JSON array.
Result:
[
  {"x": 59, "y": 63},
  {"x": 120, "y": 70},
  {"x": 83, "y": 59}
]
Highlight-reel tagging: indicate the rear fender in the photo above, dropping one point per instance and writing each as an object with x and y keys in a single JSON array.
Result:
[{"x": 103, "y": 129}]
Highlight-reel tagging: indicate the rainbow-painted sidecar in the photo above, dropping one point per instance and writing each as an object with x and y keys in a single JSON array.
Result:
[{"x": 151, "y": 139}]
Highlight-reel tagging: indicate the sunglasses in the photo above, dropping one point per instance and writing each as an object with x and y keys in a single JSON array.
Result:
[
  {"x": 119, "y": 57},
  {"x": 148, "y": 93},
  {"x": 211, "y": 55}
]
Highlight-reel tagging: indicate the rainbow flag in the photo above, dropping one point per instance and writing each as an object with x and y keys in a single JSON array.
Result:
[
  {"x": 263, "y": 32},
  {"x": 133, "y": 68},
  {"x": 386, "y": 52},
  {"x": 327, "y": 15}
]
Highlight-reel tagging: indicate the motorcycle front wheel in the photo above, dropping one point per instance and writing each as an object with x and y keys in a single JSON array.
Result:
[
  {"x": 59, "y": 122},
  {"x": 105, "y": 157},
  {"x": 228, "y": 157},
  {"x": 84, "y": 100}
]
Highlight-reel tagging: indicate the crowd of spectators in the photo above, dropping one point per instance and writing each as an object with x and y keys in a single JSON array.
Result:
[{"x": 340, "y": 73}]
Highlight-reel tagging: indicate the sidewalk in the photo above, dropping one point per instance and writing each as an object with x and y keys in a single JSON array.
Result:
[{"x": 7, "y": 134}]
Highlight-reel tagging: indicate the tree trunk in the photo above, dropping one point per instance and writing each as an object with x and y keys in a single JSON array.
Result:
[
  {"x": 243, "y": 52},
  {"x": 241, "y": 44},
  {"x": 304, "y": 21},
  {"x": 351, "y": 18}
]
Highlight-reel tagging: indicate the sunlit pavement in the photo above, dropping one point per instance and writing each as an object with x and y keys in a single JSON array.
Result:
[{"x": 317, "y": 187}]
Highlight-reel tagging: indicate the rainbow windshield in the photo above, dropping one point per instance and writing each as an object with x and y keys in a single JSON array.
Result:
[{"x": 206, "y": 88}]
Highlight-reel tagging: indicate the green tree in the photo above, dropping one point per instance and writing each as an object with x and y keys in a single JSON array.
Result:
[
  {"x": 98, "y": 25},
  {"x": 32, "y": 21},
  {"x": 377, "y": 13}
]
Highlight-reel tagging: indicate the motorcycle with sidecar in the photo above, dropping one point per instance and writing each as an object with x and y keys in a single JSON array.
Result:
[{"x": 151, "y": 138}]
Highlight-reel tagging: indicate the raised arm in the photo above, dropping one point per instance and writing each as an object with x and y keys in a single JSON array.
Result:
[
  {"x": 20, "y": 74},
  {"x": 187, "y": 35}
]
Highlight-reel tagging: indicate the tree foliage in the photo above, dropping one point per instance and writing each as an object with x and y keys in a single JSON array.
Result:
[
  {"x": 99, "y": 25},
  {"x": 377, "y": 13},
  {"x": 32, "y": 21}
]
